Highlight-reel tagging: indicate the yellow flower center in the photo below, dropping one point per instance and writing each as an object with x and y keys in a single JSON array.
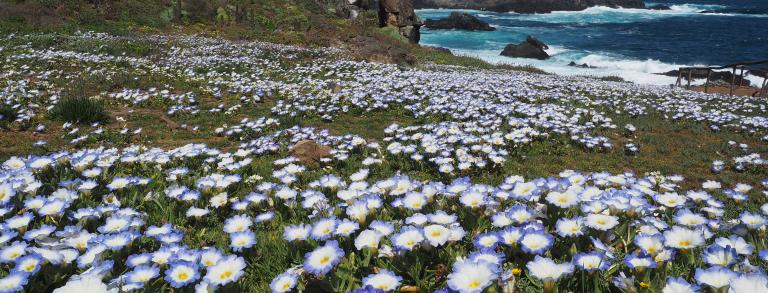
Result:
[
  {"x": 225, "y": 275},
  {"x": 183, "y": 276},
  {"x": 324, "y": 260},
  {"x": 474, "y": 284}
]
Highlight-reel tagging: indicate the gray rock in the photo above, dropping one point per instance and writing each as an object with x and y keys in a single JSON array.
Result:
[
  {"x": 400, "y": 14},
  {"x": 458, "y": 20},
  {"x": 531, "y": 48}
]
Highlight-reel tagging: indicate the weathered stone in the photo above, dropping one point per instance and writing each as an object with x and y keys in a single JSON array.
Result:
[
  {"x": 461, "y": 21},
  {"x": 531, "y": 48},
  {"x": 400, "y": 14}
]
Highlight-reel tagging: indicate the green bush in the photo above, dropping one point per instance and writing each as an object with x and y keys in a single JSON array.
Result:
[
  {"x": 7, "y": 115},
  {"x": 80, "y": 110},
  {"x": 611, "y": 78}
]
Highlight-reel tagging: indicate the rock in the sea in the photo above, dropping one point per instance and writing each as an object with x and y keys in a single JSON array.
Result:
[
  {"x": 400, "y": 14},
  {"x": 461, "y": 21},
  {"x": 582, "y": 65},
  {"x": 761, "y": 73},
  {"x": 659, "y": 7},
  {"x": 526, "y": 6},
  {"x": 531, "y": 48},
  {"x": 309, "y": 152},
  {"x": 716, "y": 77}
]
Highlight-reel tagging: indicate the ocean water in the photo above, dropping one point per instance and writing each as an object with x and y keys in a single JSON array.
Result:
[{"x": 631, "y": 43}]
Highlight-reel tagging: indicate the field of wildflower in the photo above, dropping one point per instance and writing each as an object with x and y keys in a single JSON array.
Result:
[{"x": 159, "y": 163}]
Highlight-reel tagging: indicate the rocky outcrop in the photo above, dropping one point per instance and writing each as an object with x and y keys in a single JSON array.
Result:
[
  {"x": 399, "y": 14},
  {"x": 531, "y": 48},
  {"x": 460, "y": 21},
  {"x": 582, "y": 65},
  {"x": 526, "y": 6},
  {"x": 660, "y": 7},
  {"x": 724, "y": 77}
]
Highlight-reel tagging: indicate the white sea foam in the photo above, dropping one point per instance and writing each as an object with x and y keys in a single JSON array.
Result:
[
  {"x": 603, "y": 14},
  {"x": 637, "y": 71}
]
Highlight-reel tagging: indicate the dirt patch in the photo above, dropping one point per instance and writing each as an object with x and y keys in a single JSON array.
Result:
[{"x": 153, "y": 112}]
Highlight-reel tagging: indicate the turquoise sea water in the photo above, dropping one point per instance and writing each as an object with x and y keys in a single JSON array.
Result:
[{"x": 631, "y": 43}]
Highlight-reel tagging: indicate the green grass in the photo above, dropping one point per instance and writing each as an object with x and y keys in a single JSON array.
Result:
[{"x": 80, "y": 110}]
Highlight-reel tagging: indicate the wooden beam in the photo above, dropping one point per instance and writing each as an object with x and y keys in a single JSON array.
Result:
[
  {"x": 706, "y": 83},
  {"x": 690, "y": 71},
  {"x": 733, "y": 79}
]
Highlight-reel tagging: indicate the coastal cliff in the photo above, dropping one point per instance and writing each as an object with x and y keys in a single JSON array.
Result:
[{"x": 525, "y": 6}]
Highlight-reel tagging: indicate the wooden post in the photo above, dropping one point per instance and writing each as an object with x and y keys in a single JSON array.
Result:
[
  {"x": 679, "y": 75},
  {"x": 689, "y": 79},
  {"x": 706, "y": 83},
  {"x": 764, "y": 89},
  {"x": 733, "y": 79}
]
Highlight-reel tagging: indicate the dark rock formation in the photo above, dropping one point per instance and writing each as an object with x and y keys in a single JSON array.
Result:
[
  {"x": 531, "y": 48},
  {"x": 438, "y": 49},
  {"x": 461, "y": 21},
  {"x": 759, "y": 72},
  {"x": 526, "y": 6},
  {"x": 716, "y": 77},
  {"x": 583, "y": 65},
  {"x": 400, "y": 14},
  {"x": 659, "y": 7}
]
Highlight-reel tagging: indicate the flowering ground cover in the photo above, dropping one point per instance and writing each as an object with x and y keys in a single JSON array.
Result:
[{"x": 440, "y": 178}]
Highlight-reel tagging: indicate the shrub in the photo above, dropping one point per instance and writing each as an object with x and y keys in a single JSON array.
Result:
[
  {"x": 611, "y": 78},
  {"x": 7, "y": 115},
  {"x": 80, "y": 110}
]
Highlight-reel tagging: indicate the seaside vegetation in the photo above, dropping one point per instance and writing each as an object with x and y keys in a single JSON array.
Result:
[{"x": 154, "y": 152}]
